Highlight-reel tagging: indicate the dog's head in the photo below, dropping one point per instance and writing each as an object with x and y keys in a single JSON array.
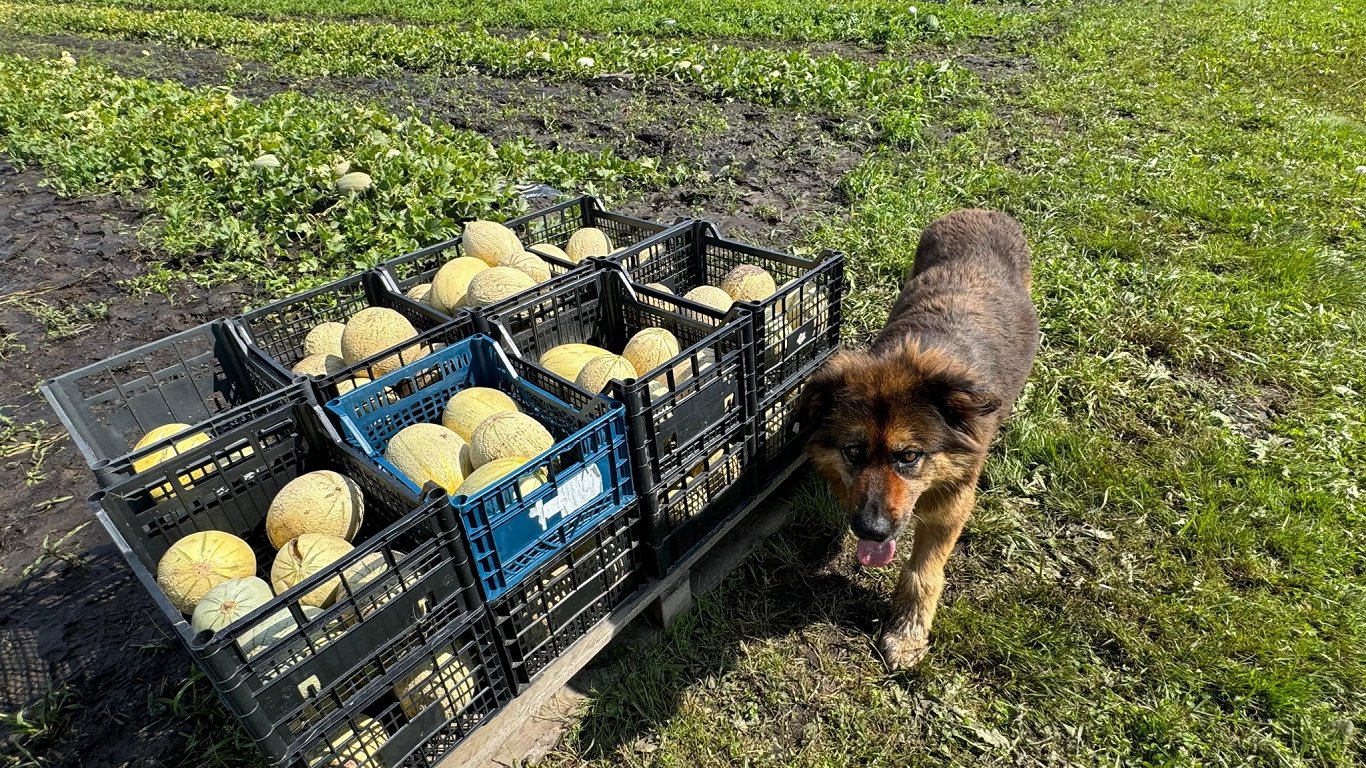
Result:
[{"x": 892, "y": 428}]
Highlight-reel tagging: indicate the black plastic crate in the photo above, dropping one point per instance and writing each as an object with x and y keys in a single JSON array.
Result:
[
  {"x": 566, "y": 597},
  {"x": 552, "y": 225},
  {"x": 274, "y": 334},
  {"x": 319, "y": 663},
  {"x": 200, "y": 377},
  {"x": 458, "y": 683},
  {"x": 690, "y": 435},
  {"x": 781, "y": 436},
  {"x": 796, "y": 326}
]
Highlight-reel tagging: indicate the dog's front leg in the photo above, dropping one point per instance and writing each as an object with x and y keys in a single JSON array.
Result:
[{"x": 922, "y": 580}]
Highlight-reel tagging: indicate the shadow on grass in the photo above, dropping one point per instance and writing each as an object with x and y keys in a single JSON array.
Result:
[{"x": 802, "y": 578}]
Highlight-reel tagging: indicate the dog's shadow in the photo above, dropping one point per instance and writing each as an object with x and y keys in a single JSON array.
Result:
[{"x": 800, "y": 577}]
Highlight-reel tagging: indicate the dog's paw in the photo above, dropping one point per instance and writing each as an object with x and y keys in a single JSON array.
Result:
[{"x": 903, "y": 650}]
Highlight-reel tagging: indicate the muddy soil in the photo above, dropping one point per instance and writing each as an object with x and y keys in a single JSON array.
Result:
[{"x": 74, "y": 627}]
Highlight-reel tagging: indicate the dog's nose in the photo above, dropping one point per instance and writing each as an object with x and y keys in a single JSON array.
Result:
[{"x": 871, "y": 526}]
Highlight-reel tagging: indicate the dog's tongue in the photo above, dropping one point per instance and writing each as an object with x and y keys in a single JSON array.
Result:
[{"x": 876, "y": 553}]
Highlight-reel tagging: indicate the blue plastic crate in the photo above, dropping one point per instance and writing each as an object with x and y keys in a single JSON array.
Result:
[{"x": 510, "y": 532}]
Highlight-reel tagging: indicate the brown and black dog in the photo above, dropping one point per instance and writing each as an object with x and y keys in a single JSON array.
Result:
[{"x": 903, "y": 429}]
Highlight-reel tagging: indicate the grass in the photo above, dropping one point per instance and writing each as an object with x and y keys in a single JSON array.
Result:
[{"x": 1166, "y": 564}]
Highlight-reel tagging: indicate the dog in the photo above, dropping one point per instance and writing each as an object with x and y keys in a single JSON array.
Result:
[{"x": 902, "y": 430}]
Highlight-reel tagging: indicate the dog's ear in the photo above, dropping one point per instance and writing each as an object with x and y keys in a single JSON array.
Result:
[
  {"x": 959, "y": 399},
  {"x": 820, "y": 391}
]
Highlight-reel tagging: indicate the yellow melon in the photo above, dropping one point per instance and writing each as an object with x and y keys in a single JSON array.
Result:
[
  {"x": 602, "y": 369},
  {"x": 490, "y": 242},
  {"x": 532, "y": 265},
  {"x": 495, "y": 284},
  {"x": 504, "y": 435},
  {"x": 469, "y": 407},
  {"x": 315, "y": 502},
  {"x": 711, "y": 296},
  {"x": 419, "y": 292},
  {"x": 449, "y": 682},
  {"x": 452, "y": 281},
  {"x": 375, "y": 329},
  {"x": 549, "y": 249},
  {"x": 650, "y": 348},
  {"x": 586, "y": 243},
  {"x": 199, "y": 562},
  {"x": 351, "y": 382},
  {"x": 567, "y": 360},
  {"x": 430, "y": 452},
  {"x": 228, "y": 602},
  {"x": 321, "y": 364},
  {"x": 273, "y": 629},
  {"x": 363, "y": 572},
  {"x": 498, "y": 469},
  {"x": 748, "y": 282},
  {"x": 303, "y": 557},
  {"x": 176, "y": 448},
  {"x": 324, "y": 339},
  {"x": 351, "y": 745},
  {"x": 662, "y": 288}
]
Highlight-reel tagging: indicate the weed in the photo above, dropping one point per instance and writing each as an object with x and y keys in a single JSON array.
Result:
[
  {"x": 63, "y": 550},
  {"x": 34, "y": 728}
]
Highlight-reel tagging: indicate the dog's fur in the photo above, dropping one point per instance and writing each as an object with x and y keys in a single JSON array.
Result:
[{"x": 904, "y": 428}]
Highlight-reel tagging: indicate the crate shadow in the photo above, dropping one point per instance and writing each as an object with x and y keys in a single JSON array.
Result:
[{"x": 801, "y": 577}]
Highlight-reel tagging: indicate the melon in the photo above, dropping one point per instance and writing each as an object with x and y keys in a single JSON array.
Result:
[
  {"x": 602, "y": 369},
  {"x": 662, "y": 288},
  {"x": 176, "y": 448},
  {"x": 469, "y": 407},
  {"x": 363, "y": 572},
  {"x": 586, "y": 243},
  {"x": 490, "y": 242},
  {"x": 341, "y": 168},
  {"x": 266, "y": 161},
  {"x": 351, "y": 745},
  {"x": 452, "y": 281},
  {"x": 650, "y": 348},
  {"x": 567, "y": 360},
  {"x": 350, "y": 383},
  {"x": 321, "y": 364},
  {"x": 495, "y": 284},
  {"x": 324, "y": 339},
  {"x": 375, "y": 329},
  {"x": 711, "y": 296},
  {"x": 749, "y": 282},
  {"x": 430, "y": 453},
  {"x": 303, "y": 557},
  {"x": 315, "y": 502},
  {"x": 229, "y": 602},
  {"x": 419, "y": 292},
  {"x": 532, "y": 265},
  {"x": 199, "y": 562},
  {"x": 549, "y": 249},
  {"x": 355, "y": 181},
  {"x": 498, "y": 469},
  {"x": 504, "y": 435},
  {"x": 449, "y": 681},
  {"x": 273, "y": 629}
]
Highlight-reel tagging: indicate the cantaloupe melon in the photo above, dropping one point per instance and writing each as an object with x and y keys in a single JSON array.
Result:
[
  {"x": 430, "y": 453},
  {"x": 319, "y": 365},
  {"x": 449, "y": 683},
  {"x": 419, "y": 292},
  {"x": 469, "y": 407},
  {"x": 586, "y": 243},
  {"x": 452, "y": 281},
  {"x": 662, "y": 288},
  {"x": 199, "y": 562},
  {"x": 496, "y": 470},
  {"x": 504, "y": 435},
  {"x": 490, "y": 242},
  {"x": 351, "y": 744},
  {"x": 271, "y": 630},
  {"x": 375, "y": 329},
  {"x": 549, "y": 249},
  {"x": 532, "y": 265},
  {"x": 303, "y": 557},
  {"x": 351, "y": 382},
  {"x": 267, "y": 160},
  {"x": 355, "y": 181},
  {"x": 315, "y": 502},
  {"x": 495, "y": 284},
  {"x": 364, "y": 572},
  {"x": 567, "y": 360},
  {"x": 650, "y": 348},
  {"x": 600, "y": 370},
  {"x": 228, "y": 602},
  {"x": 324, "y": 339},
  {"x": 748, "y": 282},
  {"x": 711, "y": 296}
]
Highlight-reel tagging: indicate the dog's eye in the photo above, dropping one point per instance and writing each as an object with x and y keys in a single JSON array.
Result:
[
  {"x": 909, "y": 458},
  {"x": 853, "y": 453}
]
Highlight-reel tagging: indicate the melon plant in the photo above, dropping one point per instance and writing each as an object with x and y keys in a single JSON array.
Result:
[
  {"x": 469, "y": 407},
  {"x": 505, "y": 435},
  {"x": 229, "y": 602},
  {"x": 199, "y": 562},
  {"x": 430, "y": 453},
  {"x": 315, "y": 502}
]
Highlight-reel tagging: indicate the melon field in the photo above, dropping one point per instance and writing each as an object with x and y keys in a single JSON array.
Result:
[{"x": 1168, "y": 562}]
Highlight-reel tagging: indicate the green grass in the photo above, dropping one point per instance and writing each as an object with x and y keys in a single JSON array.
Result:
[{"x": 860, "y": 21}]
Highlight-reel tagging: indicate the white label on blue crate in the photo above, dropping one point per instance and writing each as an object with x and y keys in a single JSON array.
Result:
[{"x": 574, "y": 493}]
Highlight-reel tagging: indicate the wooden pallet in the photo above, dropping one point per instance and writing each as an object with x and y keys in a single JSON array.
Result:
[{"x": 530, "y": 725}]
